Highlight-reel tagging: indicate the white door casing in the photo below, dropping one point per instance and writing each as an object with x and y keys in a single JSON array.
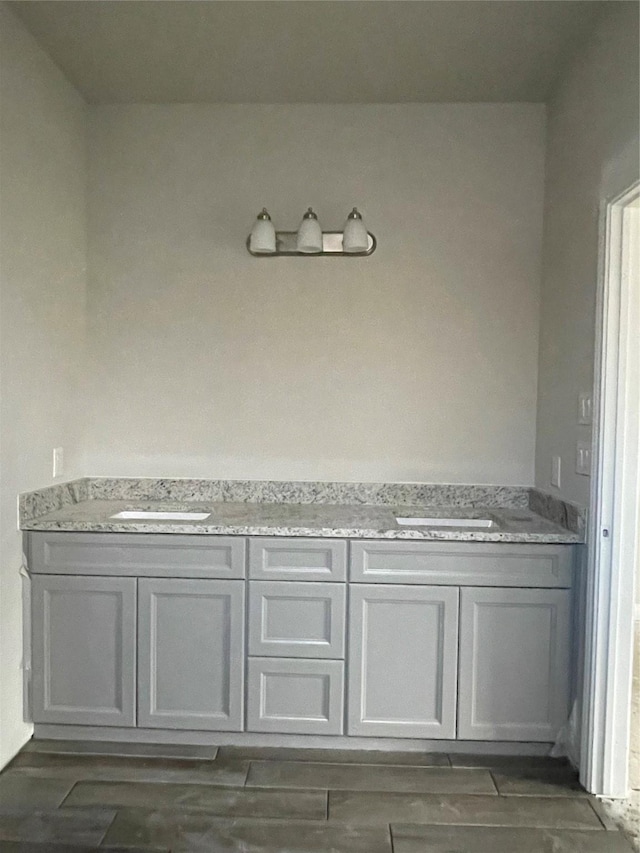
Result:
[{"x": 615, "y": 505}]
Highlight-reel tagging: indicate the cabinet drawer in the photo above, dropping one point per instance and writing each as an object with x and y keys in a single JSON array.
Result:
[
  {"x": 462, "y": 564},
  {"x": 295, "y": 696},
  {"x": 137, "y": 554},
  {"x": 298, "y": 559},
  {"x": 305, "y": 620}
]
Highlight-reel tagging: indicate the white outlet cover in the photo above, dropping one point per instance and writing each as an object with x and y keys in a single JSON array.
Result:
[
  {"x": 583, "y": 458},
  {"x": 556, "y": 471},
  {"x": 585, "y": 408}
]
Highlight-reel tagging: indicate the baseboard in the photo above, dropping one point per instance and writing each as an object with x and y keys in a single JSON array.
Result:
[{"x": 190, "y": 738}]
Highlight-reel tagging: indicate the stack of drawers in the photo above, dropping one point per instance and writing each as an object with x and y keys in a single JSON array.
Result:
[{"x": 296, "y": 636}]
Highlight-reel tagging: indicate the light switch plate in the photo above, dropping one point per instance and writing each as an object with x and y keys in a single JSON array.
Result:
[
  {"x": 585, "y": 408},
  {"x": 556, "y": 471},
  {"x": 583, "y": 458},
  {"x": 58, "y": 462}
]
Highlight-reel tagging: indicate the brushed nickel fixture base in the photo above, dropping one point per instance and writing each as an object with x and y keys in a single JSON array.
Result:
[{"x": 331, "y": 247}]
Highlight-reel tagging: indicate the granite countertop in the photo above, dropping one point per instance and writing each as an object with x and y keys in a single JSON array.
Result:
[{"x": 343, "y": 520}]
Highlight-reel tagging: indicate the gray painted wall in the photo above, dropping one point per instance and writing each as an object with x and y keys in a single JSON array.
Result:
[
  {"x": 418, "y": 363},
  {"x": 42, "y": 321},
  {"x": 592, "y": 154}
]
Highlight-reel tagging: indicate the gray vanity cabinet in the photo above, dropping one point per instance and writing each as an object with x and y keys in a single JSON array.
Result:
[
  {"x": 514, "y": 663},
  {"x": 84, "y": 655},
  {"x": 403, "y": 655},
  {"x": 190, "y": 654},
  {"x": 442, "y": 640}
]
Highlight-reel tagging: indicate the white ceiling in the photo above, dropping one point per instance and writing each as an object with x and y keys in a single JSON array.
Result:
[{"x": 314, "y": 51}]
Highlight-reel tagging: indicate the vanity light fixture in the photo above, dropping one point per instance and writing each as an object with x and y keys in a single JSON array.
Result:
[{"x": 310, "y": 240}]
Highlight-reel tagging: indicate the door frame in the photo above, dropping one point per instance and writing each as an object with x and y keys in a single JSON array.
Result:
[{"x": 612, "y": 536}]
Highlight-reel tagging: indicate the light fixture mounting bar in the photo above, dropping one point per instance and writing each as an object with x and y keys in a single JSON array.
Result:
[{"x": 331, "y": 247}]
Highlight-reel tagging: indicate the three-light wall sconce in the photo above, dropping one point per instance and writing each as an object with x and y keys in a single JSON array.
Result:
[{"x": 310, "y": 240}]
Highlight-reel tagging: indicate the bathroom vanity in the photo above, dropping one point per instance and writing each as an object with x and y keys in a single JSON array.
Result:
[{"x": 429, "y": 634}]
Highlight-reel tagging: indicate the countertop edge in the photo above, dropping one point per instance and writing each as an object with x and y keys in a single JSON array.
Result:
[{"x": 431, "y": 535}]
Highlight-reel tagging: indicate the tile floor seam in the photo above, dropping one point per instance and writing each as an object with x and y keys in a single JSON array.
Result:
[
  {"x": 596, "y": 811},
  {"x": 609, "y": 823},
  {"x": 68, "y": 794},
  {"x": 391, "y": 838},
  {"x": 495, "y": 784},
  {"x": 113, "y": 819}
]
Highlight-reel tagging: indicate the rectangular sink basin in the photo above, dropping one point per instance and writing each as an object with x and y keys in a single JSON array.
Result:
[
  {"x": 148, "y": 515},
  {"x": 473, "y": 523}
]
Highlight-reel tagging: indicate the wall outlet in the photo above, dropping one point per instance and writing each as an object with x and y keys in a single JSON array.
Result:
[
  {"x": 58, "y": 462},
  {"x": 583, "y": 458},
  {"x": 585, "y": 408},
  {"x": 556, "y": 471}
]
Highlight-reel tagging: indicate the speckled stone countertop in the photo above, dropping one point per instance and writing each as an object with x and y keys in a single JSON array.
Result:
[{"x": 361, "y": 521}]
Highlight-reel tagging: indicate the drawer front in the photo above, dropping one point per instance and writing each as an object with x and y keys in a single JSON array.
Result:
[
  {"x": 295, "y": 696},
  {"x": 137, "y": 554},
  {"x": 297, "y": 559},
  {"x": 462, "y": 563},
  {"x": 301, "y": 620}
]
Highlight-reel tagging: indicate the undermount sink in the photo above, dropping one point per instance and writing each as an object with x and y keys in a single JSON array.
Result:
[
  {"x": 148, "y": 515},
  {"x": 474, "y": 523}
]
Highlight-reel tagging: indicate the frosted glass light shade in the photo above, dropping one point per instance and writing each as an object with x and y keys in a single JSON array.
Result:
[
  {"x": 309, "y": 238},
  {"x": 355, "y": 237},
  {"x": 263, "y": 235}
]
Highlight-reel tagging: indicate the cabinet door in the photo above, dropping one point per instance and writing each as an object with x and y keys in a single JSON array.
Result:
[
  {"x": 403, "y": 661},
  {"x": 295, "y": 696},
  {"x": 84, "y": 651},
  {"x": 191, "y": 654},
  {"x": 514, "y": 664}
]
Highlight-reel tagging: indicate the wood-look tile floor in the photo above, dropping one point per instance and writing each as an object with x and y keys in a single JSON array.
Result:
[{"x": 62, "y": 797}]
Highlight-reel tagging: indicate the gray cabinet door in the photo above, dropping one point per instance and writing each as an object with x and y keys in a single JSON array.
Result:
[
  {"x": 190, "y": 654},
  {"x": 295, "y": 696},
  {"x": 84, "y": 654},
  {"x": 514, "y": 664},
  {"x": 301, "y": 620},
  {"x": 403, "y": 652}
]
